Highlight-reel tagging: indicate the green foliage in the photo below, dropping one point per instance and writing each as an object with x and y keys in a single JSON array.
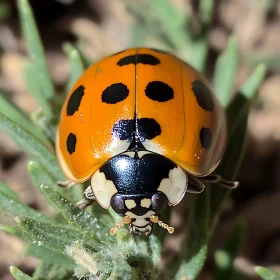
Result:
[
  {"x": 74, "y": 244},
  {"x": 267, "y": 274}
]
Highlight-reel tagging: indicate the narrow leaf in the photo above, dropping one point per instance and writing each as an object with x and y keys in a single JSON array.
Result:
[
  {"x": 8, "y": 191},
  {"x": 40, "y": 176},
  {"x": 10, "y": 110},
  {"x": 206, "y": 8},
  {"x": 172, "y": 22},
  {"x": 34, "y": 86},
  {"x": 18, "y": 274},
  {"x": 35, "y": 48},
  {"x": 225, "y": 72},
  {"x": 237, "y": 116},
  {"x": 77, "y": 66},
  {"x": 50, "y": 271},
  {"x": 49, "y": 255},
  {"x": 267, "y": 274},
  {"x": 32, "y": 146},
  {"x": 15, "y": 207},
  {"x": 85, "y": 223},
  {"x": 250, "y": 87},
  {"x": 16, "y": 231},
  {"x": 53, "y": 236},
  {"x": 195, "y": 252}
]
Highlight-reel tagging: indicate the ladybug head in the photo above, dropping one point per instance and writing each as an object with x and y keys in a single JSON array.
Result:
[
  {"x": 139, "y": 210},
  {"x": 138, "y": 185}
]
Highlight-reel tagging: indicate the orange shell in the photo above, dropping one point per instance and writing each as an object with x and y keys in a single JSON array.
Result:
[{"x": 192, "y": 123}]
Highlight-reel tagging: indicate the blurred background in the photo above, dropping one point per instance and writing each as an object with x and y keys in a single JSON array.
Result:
[{"x": 99, "y": 28}]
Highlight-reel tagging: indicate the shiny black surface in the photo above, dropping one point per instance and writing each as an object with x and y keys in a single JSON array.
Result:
[{"x": 136, "y": 175}]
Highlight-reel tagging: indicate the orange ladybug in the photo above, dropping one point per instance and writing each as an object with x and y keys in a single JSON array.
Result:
[{"x": 145, "y": 128}]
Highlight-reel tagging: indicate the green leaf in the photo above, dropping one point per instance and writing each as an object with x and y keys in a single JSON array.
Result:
[
  {"x": 206, "y": 9},
  {"x": 225, "y": 72},
  {"x": 267, "y": 274},
  {"x": 49, "y": 271},
  {"x": 49, "y": 255},
  {"x": 32, "y": 146},
  {"x": 77, "y": 66},
  {"x": 195, "y": 251},
  {"x": 11, "y": 111},
  {"x": 272, "y": 61},
  {"x": 40, "y": 176},
  {"x": 15, "y": 207},
  {"x": 33, "y": 84},
  {"x": 18, "y": 274},
  {"x": 94, "y": 229},
  {"x": 224, "y": 258},
  {"x": 54, "y": 236},
  {"x": 8, "y": 191},
  {"x": 237, "y": 116},
  {"x": 35, "y": 48},
  {"x": 172, "y": 22},
  {"x": 250, "y": 87}
]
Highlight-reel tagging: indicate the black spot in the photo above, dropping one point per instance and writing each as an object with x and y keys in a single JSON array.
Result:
[
  {"x": 75, "y": 100},
  {"x": 147, "y": 129},
  {"x": 124, "y": 129},
  {"x": 159, "y": 51},
  {"x": 203, "y": 95},
  {"x": 205, "y": 136},
  {"x": 139, "y": 58},
  {"x": 140, "y": 129},
  {"x": 71, "y": 143},
  {"x": 159, "y": 91},
  {"x": 115, "y": 93}
]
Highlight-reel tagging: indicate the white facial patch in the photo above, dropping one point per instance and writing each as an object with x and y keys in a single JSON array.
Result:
[
  {"x": 145, "y": 202},
  {"x": 174, "y": 187},
  {"x": 117, "y": 147},
  {"x": 103, "y": 189},
  {"x": 130, "y": 203},
  {"x": 140, "y": 220},
  {"x": 150, "y": 145},
  {"x": 142, "y": 153}
]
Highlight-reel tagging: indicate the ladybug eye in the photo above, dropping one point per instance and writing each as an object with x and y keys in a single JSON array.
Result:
[
  {"x": 118, "y": 204},
  {"x": 159, "y": 202}
]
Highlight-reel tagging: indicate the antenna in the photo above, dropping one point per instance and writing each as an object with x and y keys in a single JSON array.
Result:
[
  {"x": 126, "y": 220},
  {"x": 154, "y": 219}
]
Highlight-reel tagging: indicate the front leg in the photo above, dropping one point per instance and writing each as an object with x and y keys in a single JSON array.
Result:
[
  {"x": 65, "y": 184},
  {"x": 89, "y": 200}
]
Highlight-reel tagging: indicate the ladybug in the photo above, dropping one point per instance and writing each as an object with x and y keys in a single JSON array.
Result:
[{"x": 144, "y": 127}]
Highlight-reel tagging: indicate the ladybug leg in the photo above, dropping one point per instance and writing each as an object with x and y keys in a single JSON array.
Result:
[
  {"x": 65, "y": 184},
  {"x": 89, "y": 200},
  {"x": 194, "y": 185},
  {"x": 215, "y": 178}
]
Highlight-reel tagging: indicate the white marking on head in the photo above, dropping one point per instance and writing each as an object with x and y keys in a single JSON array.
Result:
[
  {"x": 150, "y": 145},
  {"x": 116, "y": 146},
  {"x": 174, "y": 187},
  {"x": 130, "y": 203},
  {"x": 142, "y": 153},
  {"x": 146, "y": 202},
  {"x": 130, "y": 154},
  {"x": 134, "y": 216},
  {"x": 103, "y": 189},
  {"x": 140, "y": 221}
]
